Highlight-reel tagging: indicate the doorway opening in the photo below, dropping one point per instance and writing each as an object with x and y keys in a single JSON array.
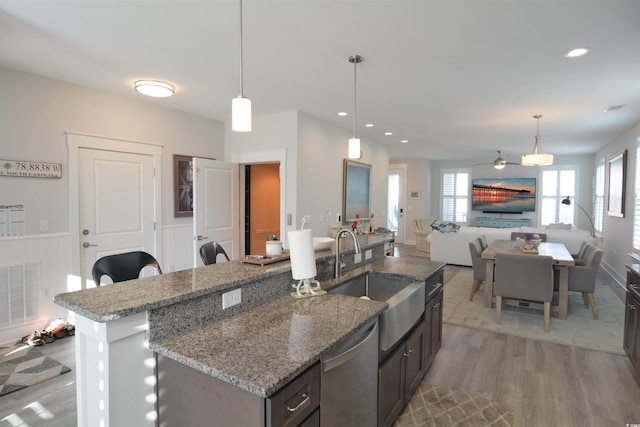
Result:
[
  {"x": 261, "y": 206},
  {"x": 396, "y": 201}
]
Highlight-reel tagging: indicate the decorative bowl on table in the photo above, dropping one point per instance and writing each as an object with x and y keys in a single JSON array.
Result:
[{"x": 535, "y": 242}]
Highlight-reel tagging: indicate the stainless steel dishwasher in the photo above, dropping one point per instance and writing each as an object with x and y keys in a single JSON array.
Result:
[{"x": 349, "y": 383}]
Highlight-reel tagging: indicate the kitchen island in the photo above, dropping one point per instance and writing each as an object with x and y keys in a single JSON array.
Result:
[{"x": 180, "y": 316}]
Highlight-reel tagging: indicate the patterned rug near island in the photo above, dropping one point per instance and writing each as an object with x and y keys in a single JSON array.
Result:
[
  {"x": 579, "y": 330},
  {"x": 22, "y": 366},
  {"x": 437, "y": 406}
]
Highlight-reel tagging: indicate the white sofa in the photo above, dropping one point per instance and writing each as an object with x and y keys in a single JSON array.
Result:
[{"x": 453, "y": 248}]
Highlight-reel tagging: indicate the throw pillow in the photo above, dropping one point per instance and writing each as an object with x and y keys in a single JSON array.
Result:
[{"x": 445, "y": 227}]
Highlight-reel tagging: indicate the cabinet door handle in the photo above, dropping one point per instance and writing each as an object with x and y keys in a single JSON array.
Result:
[
  {"x": 632, "y": 307},
  {"x": 301, "y": 404}
]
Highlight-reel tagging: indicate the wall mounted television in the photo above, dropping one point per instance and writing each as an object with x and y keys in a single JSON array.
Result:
[{"x": 507, "y": 195}]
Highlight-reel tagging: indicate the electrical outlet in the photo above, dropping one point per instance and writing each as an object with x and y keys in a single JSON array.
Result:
[
  {"x": 357, "y": 258},
  {"x": 338, "y": 218},
  {"x": 307, "y": 219},
  {"x": 231, "y": 298},
  {"x": 368, "y": 254}
]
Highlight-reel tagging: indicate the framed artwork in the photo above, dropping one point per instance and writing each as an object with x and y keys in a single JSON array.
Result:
[
  {"x": 617, "y": 178},
  {"x": 414, "y": 194},
  {"x": 182, "y": 186}
]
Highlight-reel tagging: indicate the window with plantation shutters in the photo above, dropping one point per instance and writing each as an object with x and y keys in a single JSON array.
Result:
[
  {"x": 598, "y": 203},
  {"x": 455, "y": 195},
  {"x": 557, "y": 183},
  {"x": 636, "y": 205}
]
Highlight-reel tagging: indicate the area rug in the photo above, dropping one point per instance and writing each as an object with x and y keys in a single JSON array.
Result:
[
  {"x": 433, "y": 405},
  {"x": 579, "y": 330},
  {"x": 22, "y": 366}
]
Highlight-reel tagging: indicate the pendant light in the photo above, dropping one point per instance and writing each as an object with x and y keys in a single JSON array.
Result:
[
  {"x": 535, "y": 158},
  {"x": 241, "y": 105},
  {"x": 354, "y": 143}
]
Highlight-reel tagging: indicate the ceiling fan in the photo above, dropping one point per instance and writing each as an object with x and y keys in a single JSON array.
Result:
[{"x": 498, "y": 163}]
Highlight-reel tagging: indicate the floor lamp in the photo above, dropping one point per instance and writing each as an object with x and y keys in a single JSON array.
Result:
[{"x": 567, "y": 201}]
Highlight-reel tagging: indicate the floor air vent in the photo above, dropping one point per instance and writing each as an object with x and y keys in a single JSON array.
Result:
[{"x": 18, "y": 294}]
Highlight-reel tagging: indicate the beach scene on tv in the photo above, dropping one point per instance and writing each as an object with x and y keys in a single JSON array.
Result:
[{"x": 504, "y": 195}]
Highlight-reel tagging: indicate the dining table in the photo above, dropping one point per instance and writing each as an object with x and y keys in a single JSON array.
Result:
[{"x": 562, "y": 260}]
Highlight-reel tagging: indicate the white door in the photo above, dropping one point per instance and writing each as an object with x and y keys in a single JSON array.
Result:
[
  {"x": 116, "y": 204},
  {"x": 215, "y": 207},
  {"x": 396, "y": 202}
]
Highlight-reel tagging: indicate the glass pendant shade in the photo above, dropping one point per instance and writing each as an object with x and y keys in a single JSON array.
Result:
[
  {"x": 537, "y": 160},
  {"x": 241, "y": 114},
  {"x": 354, "y": 148}
]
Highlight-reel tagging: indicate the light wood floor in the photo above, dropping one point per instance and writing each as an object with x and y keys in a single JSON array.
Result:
[{"x": 547, "y": 384}]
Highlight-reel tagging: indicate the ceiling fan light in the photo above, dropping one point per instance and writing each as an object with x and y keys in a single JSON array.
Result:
[
  {"x": 154, "y": 88},
  {"x": 241, "y": 114},
  {"x": 499, "y": 166},
  {"x": 354, "y": 148}
]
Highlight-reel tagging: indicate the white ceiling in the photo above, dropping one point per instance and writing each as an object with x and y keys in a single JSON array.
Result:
[{"x": 457, "y": 78}]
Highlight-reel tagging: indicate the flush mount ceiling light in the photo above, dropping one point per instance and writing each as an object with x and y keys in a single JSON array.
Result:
[
  {"x": 354, "y": 143},
  {"x": 154, "y": 88},
  {"x": 574, "y": 53},
  {"x": 536, "y": 158},
  {"x": 241, "y": 105}
]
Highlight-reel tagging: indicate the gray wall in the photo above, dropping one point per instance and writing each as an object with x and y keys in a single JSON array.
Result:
[{"x": 617, "y": 232}]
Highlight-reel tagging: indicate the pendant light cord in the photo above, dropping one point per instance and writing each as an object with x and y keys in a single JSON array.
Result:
[
  {"x": 355, "y": 109},
  {"x": 241, "y": 55}
]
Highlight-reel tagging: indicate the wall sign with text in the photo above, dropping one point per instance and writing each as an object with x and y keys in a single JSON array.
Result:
[{"x": 30, "y": 169}]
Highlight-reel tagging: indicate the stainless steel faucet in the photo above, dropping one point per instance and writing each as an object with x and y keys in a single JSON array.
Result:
[{"x": 337, "y": 251}]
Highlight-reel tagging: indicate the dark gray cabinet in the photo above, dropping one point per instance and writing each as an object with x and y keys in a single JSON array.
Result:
[
  {"x": 399, "y": 376},
  {"x": 631, "y": 341},
  {"x": 433, "y": 317},
  {"x": 187, "y": 397}
]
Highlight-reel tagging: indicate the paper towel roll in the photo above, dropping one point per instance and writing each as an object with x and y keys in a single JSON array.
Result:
[{"x": 303, "y": 260}]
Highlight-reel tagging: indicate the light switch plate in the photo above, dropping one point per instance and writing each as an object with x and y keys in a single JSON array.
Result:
[{"x": 357, "y": 258}]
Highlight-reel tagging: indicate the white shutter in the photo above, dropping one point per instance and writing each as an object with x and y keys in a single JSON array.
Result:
[{"x": 636, "y": 210}]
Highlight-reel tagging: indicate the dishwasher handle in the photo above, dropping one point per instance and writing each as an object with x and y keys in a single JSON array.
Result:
[{"x": 351, "y": 352}]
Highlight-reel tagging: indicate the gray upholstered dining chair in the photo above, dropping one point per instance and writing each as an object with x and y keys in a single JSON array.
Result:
[
  {"x": 482, "y": 239},
  {"x": 526, "y": 278},
  {"x": 579, "y": 256},
  {"x": 582, "y": 278},
  {"x": 515, "y": 234},
  {"x": 479, "y": 266}
]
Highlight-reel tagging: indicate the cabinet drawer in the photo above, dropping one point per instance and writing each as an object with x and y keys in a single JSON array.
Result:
[{"x": 291, "y": 405}]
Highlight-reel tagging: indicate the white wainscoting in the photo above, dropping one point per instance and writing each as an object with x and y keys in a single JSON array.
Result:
[
  {"x": 177, "y": 248},
  {"x": 53, "y": 255},
  {"x": 52, "y": 252}
]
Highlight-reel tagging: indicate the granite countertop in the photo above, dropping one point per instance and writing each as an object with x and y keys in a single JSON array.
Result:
[
  {"x": 262, "y": 349},
  {"x": 118, "y": 300},
  {"x": 278, "y": 340}
]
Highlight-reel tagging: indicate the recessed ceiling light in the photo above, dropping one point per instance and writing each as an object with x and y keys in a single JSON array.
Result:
[
  {"x": 614, "y": 107},
  {"x": 369, "y": 125},
  {"x": 342, "y": 113},
  {"x": 404, "y": 141},
  {"x": 574, "y": 53},
  {"x": 388, "y": 133},
  {"x": 154, "y": 88}
]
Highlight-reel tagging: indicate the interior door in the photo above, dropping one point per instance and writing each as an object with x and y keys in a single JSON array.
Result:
[
  {"x": 116, "y": 206},
  {"x": 215, "y": 206}
]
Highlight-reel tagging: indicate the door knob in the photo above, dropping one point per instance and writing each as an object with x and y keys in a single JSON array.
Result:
[
  {"x": 202, "y": 237},
  {"x": 87, "y": 244}
]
